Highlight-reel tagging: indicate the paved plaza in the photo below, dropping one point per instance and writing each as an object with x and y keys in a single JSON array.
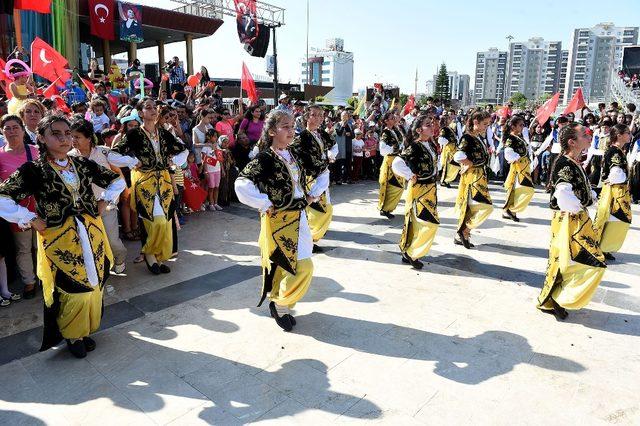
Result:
[{"x": 459, "y": 342}]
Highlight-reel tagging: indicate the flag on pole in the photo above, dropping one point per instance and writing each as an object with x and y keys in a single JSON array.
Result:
[
  {"x": 41, "y": 6},
  {"x": 47, "y": 62},
  {"x": 549, "y": 107},
  {"x": 411, "y": 103},
  {"x": 89, "y": 85},
  {"x": 101, "y": 14},
  {"x": 52, "y": 90},
  {"x": 194, "y": 195},
  {"x": 393, "y": 104},
  {"x": 249, "y": 85},
  {"x": 577, "y": 102}
]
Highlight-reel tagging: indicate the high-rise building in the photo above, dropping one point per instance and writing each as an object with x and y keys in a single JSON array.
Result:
[
  {"x": 331, "y": 66},
  {"x": 491, "y": 68},
  {"x": 458, "y": 86},
  {"x": 594, "y": 53},
  {"x": 430, "y": 88},
  {"x": 533, "y": 68},
  {"x": 562, "y": 80}
]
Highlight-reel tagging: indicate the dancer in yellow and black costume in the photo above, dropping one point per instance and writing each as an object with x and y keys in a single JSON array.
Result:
[
  {"x": 275, "y": 183},
  {"x": 148, "y": 151},
  {"x": 519, "y": 183},
  {"x": 613, "y": 217},
  {"x": 576, "y": 263},
  {"x": 473, "y": 204},
  {"x": 73, "y": 257},
  {"x": 316, "y": 148},
  {"x": 391, "y": 186},
  {"x": 449, "y": 145},
  {"x": 418, "y": 164}
]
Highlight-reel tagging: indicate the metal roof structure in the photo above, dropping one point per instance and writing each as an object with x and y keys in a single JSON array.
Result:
[{"x": 268, "y": 14}]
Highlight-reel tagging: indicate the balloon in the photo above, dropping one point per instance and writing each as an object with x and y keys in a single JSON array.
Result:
[
  {"x": 7, "y": 69},
  {"x": 147, "y": 83},
  {"x": 193, "y": 80}
]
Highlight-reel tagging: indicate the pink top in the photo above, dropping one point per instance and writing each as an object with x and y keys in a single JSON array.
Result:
[
  {"x": 225, "y": 128},
  {"x": 9, "y": 162},
  {"x": 370, "y": 146}
]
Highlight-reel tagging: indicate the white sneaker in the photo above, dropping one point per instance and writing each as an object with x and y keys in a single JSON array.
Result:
[
  {"x": 212, "y": 208},
  {"x": 119, "y": 268},
  {"x": 217, "y": 207}
]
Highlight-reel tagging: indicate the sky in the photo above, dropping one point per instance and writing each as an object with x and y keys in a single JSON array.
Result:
[{"x": 391, "y": 39}]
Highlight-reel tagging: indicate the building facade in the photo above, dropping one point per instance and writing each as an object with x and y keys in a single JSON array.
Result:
[
  {"x": 459, "y": 85},
  {"x": 331, "y": 66},
  {"x": 533, "y": 68},
  {"x": 594, "y": 54},
  {"x": 490, "y": 75}
]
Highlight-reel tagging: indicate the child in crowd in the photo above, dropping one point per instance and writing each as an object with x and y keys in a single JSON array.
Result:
[
  {"x": 211, "y": 159},
  {"x": 357, "y": 150},
  {"x": 96, "y": 115},
  {"x": 370, "y": 151},
  {"x": 107, "y": 136}
]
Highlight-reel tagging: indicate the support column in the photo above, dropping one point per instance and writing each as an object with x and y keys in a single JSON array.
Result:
[
  {"x": 106, "y": 55},
  {"x": 161, "y": 60},
  {"x": 133, "y": 51},
  {"x": 189, "y": 41}
]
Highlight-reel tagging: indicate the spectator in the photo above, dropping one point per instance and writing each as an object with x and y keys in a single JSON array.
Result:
[
  {"x": 132, "y": 74},
  {"x": 284, "y": 103},
  {"x": 358, "y": 151},
  {"x": 211, "y": 166},
  {"x": 96, "y": 115},
  {"x": 225, "y": 126},
  {"x": 252, "y": 124},
  {"x": 31, "y": 113},
  {"x": 177, "y": 76},
  {"x": 14, "y": 154}
]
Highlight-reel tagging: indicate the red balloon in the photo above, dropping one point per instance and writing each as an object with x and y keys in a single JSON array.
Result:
[{"x": 193, "y": 80}]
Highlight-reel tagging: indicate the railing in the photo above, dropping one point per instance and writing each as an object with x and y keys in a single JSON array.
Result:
[
  {"x": 267, "y": 13},
  {"x": 621, "y": 93}
]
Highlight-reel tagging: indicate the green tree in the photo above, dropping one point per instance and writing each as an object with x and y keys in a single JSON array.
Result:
[
  {"x": 519, "y": 100},
  {"x": 442, "y": 90},
  {"x": 403, "y": 99}
]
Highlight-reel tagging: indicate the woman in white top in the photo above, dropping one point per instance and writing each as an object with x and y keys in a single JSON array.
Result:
[{"x": 275, "y": 184}]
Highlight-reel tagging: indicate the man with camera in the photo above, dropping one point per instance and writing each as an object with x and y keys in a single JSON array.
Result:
[{"x": 177, "y": 76}]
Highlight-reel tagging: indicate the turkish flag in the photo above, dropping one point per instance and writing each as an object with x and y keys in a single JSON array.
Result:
[
  {"x": 101, "y": 14},
  {"x": 61, "y": 104},
  {"x": 42, "y": 6},
  {"x": 89, "y": 85},
  {"x": 52, "y": 90},
  {"x": 249, "y": 85},
  {"x": 504, "y": 112},
  {"x": 47, "y": 62},
  {"x": 193, "y": 195},
  {"x": 577, "y": 102},
  {"x": 409, "y": 105},
  {"x": 549, "y": 107}
]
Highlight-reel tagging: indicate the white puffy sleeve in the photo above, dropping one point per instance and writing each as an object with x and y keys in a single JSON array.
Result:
[
  {"x": 567, "y": 200},
  {"x": 120, "y": 160},
  {"x": 333, "y": 152},
  {"x": 442, "y": 141},
  {"x": 510, "y": 155},
  {"x": 112, "y": 192},
  {"x": 385, "y": 149},
  {"x": 320, "y": 184},
  {"x": 249, "y": 194},
  {"x": 459, "y": 156},
  {"x": 400, "y": 168},
  {"x": 617, "y": 175},
  {"x": 254, "y": 152},
  {"x": 15, "y": 213},
  {"x": 180, "y": 159}
]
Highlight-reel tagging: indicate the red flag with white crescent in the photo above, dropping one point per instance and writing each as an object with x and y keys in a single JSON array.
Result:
[
  {"x": 101, "y": 18},
  {"x": 52, "y": 90},
  {"x": 47, "y": 62},
  {"x": 193, "y": 195}
]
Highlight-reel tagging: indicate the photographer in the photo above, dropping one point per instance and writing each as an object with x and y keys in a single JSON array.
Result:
[{"x": 177, "y": 76}]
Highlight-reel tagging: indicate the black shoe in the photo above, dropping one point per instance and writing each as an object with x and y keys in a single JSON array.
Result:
[
  {"x": 386, "y": 214},
  {"x": 154, "y": 269},
  {"x": 405, "y": 258},
  {"x": 446, "y": 185},
  {"x": 77, "y": 348},
  {"x": 284, "y": 322},
  {"x": 317, "y": 249},
  {"x": 29, "y": 294},
  {"x": 462, "y": 240},
  {"x": 508, "y": 214},
  {"x": 89, "y": 343},
  {"x": 339, "y": 183},
  {"x": 415, "y": 263},
  {"x": 164, "y": 269},
  {"x": 559, "y": 312},
  {"x": 609, "y": 256},
  {"x": 291, "y": 318}
]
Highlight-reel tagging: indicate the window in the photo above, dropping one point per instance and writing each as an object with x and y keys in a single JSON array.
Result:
[{"x": 326, "y": 80}]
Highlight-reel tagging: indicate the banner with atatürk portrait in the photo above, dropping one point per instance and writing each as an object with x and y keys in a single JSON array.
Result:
[
  {"x": 247, "y": 20},
  {"x": 130, "y": 22}
]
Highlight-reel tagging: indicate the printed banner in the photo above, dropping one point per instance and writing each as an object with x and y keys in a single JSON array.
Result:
[
  {"x": 247, "y": 20},
  {"x": 130, "y": 22}
]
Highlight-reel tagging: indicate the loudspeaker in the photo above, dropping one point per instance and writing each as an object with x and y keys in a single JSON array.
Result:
[
  {"x": 151, "y": 72},
  {"x": 261, "y": 44}
]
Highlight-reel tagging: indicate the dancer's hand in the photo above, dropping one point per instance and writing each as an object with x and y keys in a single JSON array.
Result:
[
  {"x": 270, "y": 211},
  {"x": 414, "y": 179},
  {"x": 39, "y": 225}
]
